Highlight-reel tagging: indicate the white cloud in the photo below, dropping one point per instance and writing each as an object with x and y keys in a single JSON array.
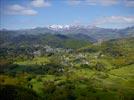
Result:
[
  {"x": 115, "y": 21},
  {"x": 74, "y": 2},
  {"x": 20, "y": 10},
  {"x": 109, "y": 2},
  {"x": 40, "y": 3},
  {"x": 93, "y": 2},
  {"x": 129, "y": 3}
]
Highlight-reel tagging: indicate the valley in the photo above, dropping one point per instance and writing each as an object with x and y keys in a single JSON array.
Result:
[{"x": 57, "y": 67}]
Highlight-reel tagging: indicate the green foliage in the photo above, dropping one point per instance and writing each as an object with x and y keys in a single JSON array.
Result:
[
  {"x": 94, "y": 72},
  {"x": 10, "y": 92}
]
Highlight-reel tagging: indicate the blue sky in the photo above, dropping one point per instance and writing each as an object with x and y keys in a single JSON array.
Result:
[{"x": 22, "y": 14}]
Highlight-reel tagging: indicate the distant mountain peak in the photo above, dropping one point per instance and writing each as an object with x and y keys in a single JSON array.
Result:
[
  {"x": 57, "y": 26},
  {"x": 67, "y": 27}
]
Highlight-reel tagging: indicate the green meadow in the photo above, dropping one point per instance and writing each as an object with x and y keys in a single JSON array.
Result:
[{"x": 95, "y": 72}]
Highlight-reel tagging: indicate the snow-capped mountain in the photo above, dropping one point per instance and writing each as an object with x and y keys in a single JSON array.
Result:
[
  {"x": 58, "y": 27},
  {"x": 79, "y": 31}
]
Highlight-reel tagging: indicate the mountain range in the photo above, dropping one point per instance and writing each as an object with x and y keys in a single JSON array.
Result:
[{"x": 69, "y": 36}]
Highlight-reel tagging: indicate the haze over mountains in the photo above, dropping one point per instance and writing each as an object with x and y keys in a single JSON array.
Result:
[
  {"x": 80, "y": 31},
  {"x": 73, "y": 36}
]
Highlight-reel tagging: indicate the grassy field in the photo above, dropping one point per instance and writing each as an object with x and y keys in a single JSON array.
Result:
[{"x": 92, "y": 73}]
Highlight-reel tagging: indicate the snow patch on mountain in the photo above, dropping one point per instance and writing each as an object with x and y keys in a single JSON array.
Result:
[{"x": 58, "y": 27}]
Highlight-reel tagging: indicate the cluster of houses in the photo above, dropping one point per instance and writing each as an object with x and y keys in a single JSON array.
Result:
[
  {"x": 49, "y": 49},
  {"x": 68, "y": 58}
]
